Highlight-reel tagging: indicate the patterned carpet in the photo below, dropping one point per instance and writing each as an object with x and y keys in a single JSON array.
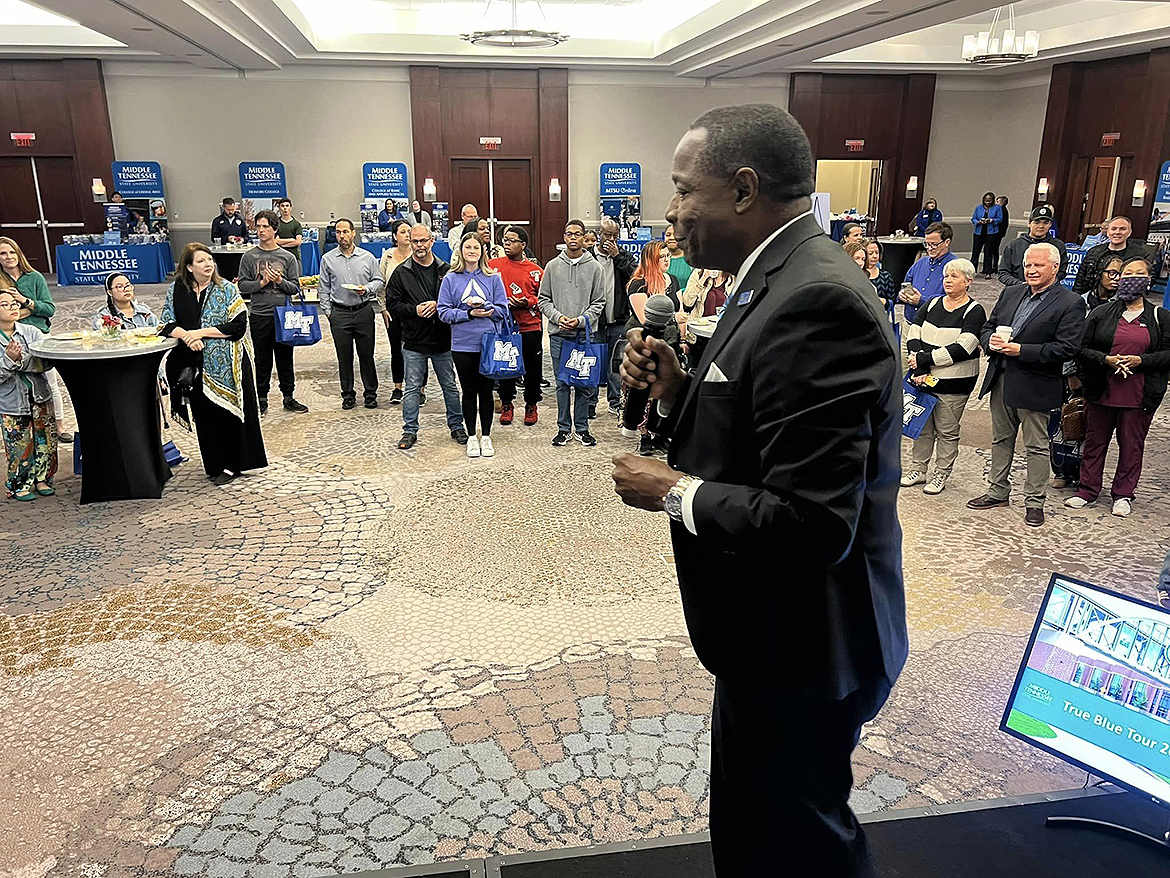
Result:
[{"x": 362, "y": 657}]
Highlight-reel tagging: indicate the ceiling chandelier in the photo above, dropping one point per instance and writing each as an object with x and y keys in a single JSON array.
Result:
[
  {"x": 1008, "y": 47},
  {"x": 516, "y": 37}
]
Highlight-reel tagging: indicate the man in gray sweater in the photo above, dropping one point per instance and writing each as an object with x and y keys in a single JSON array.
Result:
[
  {"x": 270, "y": 273},
  {"x": 572, "y": 290}
]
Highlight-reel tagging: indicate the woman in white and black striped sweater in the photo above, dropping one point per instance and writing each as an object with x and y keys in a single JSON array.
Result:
[{"x": 943, "y": 342}]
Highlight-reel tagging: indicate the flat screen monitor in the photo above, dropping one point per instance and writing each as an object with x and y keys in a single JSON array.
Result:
[{"x": 1094, "y": 686}]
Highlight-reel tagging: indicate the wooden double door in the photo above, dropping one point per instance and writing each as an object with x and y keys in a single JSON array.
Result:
[
  {"x": 39, "y": 205},
  {"x": 501, "y": 189}
]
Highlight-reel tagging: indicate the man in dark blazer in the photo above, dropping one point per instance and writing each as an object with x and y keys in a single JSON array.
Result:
[
  {"x": 1043, "y": 323},
  {"x": 781, "y": 490}
]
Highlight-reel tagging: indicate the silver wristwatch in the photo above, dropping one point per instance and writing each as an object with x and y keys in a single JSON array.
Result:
[{"x": 672, "y": 502}]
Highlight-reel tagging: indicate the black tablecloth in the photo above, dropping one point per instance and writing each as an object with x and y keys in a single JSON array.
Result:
[
  {"x": 117, "y": 421},
  {"x": 228, "y": 264},
  {"x": 898, "y": 257}
]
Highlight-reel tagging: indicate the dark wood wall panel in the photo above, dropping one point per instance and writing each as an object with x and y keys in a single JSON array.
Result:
[
  {"x": 452, "y": 109},
  {"x": 890, "y": 113},
  {"x": 1083, "y": 104},
  {"x": 64, "y": 104}
]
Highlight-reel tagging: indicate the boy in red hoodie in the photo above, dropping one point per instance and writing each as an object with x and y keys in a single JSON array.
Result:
[{"x": 521, "y": 278}]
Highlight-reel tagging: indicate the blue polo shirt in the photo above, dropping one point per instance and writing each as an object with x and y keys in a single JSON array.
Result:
[{"x": 926, "y": 275}]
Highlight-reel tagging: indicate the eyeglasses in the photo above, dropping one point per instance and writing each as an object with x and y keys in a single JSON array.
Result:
[
  {"x": 574, "y": 234},
  {"x": 511, "y": 240},
  {"x": 931, "y": 245},
  {"x": 1112, "y": 272},
  {"x": 122, "y": 288},
  {"x": 15, "y": 305}
]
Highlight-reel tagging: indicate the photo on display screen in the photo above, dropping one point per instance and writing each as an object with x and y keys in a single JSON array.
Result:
[{"x": 1094, "y": 686}]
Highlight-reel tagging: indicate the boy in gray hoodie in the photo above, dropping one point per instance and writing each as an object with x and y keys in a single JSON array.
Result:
[{"x": 571, "y": 290}]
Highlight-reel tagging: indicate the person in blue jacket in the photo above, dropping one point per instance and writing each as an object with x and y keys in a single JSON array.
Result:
[
  {"x": 987, "y": 219},
  {"x": 928, "y": 216}
]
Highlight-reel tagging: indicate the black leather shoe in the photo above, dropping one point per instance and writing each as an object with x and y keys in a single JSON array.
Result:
[
  {"x": 459, "y": 436},
  {"x": 1034, "y": 517},
  {"x": 985, "y": 502},
  {"x": 371, "y": 403},
  {"x": 293, "y": 405},
  {"x": 347, "y": 404}
]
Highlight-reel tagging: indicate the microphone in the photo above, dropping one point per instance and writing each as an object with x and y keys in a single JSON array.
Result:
[{"x": 659, "y": 314}]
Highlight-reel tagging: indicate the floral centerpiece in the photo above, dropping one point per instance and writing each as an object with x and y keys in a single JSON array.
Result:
[{"x": 111, "y": 327}]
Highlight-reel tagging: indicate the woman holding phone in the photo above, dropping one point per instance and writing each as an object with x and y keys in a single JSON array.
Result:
[{"x": 472, "y": 299}]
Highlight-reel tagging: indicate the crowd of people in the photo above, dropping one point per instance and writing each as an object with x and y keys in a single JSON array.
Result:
[{"x": 1067, "y": 367}]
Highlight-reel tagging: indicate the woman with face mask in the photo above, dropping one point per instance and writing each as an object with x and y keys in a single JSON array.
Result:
[{"x": 1124, "y": 360}]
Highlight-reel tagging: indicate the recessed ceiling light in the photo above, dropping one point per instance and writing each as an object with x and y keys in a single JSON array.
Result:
[{"x": 142, "y": 29}]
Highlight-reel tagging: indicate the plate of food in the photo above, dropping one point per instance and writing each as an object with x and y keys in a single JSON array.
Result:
[
  {"x": 351, "y": 287},
  {"x": 144, "y": 331},
  {"x": 68, "y": 336}
]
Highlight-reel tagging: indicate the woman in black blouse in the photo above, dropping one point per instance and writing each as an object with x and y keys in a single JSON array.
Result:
[{"x": 212, "y": 368}]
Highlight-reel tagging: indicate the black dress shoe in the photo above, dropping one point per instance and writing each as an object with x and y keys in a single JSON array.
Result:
[
  {"x": 293, "y": 405},
  {"x": 223, "y": 478},
  {"x": 347, "y": 404},
  {"x": 459, "y": 436},
  {"x": 986, "y": 502},
  {"x": 1034, "y": 517},
  {"x": 371, "y": 403}
]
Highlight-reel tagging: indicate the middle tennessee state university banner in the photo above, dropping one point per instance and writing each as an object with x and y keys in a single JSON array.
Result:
[{"x": 263, "y": 180}]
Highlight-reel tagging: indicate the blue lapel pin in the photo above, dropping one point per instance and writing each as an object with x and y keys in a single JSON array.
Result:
[{"x": 744, "y": 297}]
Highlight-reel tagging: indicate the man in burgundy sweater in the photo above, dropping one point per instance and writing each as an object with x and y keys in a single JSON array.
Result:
[{"x": 521, "y": 277}]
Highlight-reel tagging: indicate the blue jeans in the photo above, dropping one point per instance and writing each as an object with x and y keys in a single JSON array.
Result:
[
  {"x": 416, "y": 380},
  {"x": 613, "y": 390},
  {"x": 585, "y": 397}
]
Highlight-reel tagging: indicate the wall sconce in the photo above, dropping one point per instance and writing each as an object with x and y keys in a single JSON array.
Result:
[
  {"x": 99, "y": 189},
  {"x": 429, "y": 191},
  {"x": 912, "y": 187},
  {"x": 1139, "y": 193},
  {"x": 554, "y": 189},
  {"x": 1042, "y": 188}
]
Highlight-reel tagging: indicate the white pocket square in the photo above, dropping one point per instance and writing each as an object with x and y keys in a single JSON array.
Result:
[{"x": 715, "y": 374}]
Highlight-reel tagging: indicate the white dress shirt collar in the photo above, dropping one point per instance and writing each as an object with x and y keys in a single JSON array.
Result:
[{"x": 755, "y": 254}]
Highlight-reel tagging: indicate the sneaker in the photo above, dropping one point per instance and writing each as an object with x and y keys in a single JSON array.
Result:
[
  {"x": 407, "y": 441},
  {"x": 459, "y": 435},
  {"x": 544, "y": 382},
  {"x": 1076, "y": 502},
  {"x": 396, "y": 396},
  {"x": 586, "y": 439},
  {"x": 264, "y": 405},
  {"x": 507, "y": 413},
  {"x": 486, "y": 449},
  {"x": 562, "y": 438},
  {"x": 1122, "y": 506},
  {"x": 936, "y": 485},
  {"x": 615, "y": 409},
  {"x": 646, "y": 445},
  {"x": 1058, "y": 482},
  {"x": 913, "y": 477},
  {"x": 530, "y": 415},
  {"x": 592, "y": 412},
  {"x": 371, "y": 403},
  {"x": 292, "y": 405},
  {"x": 473, "y": 446}
]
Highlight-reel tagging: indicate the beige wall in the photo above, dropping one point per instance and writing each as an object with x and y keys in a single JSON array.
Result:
[
  {"x": 848, "y": 182},
  {"x": 200, "y": 125},
  {"x": 615, "y": 117},
  {"x": 984, "y": 135}
]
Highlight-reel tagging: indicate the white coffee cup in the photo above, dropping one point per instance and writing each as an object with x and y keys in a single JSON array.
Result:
[{"x": 1004, "y": 332}]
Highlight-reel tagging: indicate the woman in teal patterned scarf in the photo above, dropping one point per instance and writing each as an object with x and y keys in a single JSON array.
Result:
[{"x": 211, "y": 371}]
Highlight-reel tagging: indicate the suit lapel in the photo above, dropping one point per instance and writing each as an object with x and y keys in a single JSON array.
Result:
[
  {"x": 1049, "y": 298},
  {"x": 755, "y": 283}
]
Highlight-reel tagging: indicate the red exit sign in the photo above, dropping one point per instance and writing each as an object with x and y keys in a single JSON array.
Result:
[
  {"x": 491, "y": 142},
  {"x": 1110, "y": 138},
  {"x": 855, "y": 145},
  {"x": 23, "y": 138}
]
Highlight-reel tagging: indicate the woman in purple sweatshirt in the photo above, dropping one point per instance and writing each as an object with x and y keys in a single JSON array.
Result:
[{"x": 471, "y": 299}]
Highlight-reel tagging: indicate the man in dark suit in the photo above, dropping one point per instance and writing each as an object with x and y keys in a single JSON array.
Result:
[
  {"x": 1042, "y": 325},
  {"x": 781, "y": 489}
]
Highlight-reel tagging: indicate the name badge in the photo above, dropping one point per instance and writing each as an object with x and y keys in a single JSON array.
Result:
[{"x": 745, "y": 297}]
